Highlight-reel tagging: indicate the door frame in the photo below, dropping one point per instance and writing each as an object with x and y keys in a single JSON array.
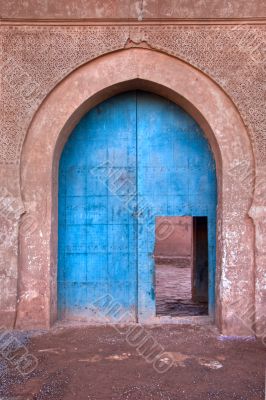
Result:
[{"x": 55, "y": 119}]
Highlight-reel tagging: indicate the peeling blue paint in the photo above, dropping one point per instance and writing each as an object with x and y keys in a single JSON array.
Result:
[{"x": 132, "y": 158}]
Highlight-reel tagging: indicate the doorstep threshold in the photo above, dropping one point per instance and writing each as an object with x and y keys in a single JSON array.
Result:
[{"x": 157, "y": 320}]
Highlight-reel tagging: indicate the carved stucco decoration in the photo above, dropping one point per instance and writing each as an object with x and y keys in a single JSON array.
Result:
[{"x": 35, "y": 59}]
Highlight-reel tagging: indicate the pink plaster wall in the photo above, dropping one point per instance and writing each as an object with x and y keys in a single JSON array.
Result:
[
  {"x": 179, "y": 242},
  {"x": 52, "y": 72},
  {"x": 132, "y": 9}
]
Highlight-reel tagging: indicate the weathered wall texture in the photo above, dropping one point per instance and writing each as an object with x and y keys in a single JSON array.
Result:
[
  {"x": 36, "y": 56},
  {"x": 132, "y": 9}
]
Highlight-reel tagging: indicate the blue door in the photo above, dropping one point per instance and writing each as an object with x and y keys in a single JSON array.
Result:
[
  {"x": 132, "y": 158},
  {"x": 97, "y": 231},
  {"x": 176, "y": 177}
]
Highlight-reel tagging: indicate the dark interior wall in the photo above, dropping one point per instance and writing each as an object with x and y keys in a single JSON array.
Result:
[{"x": 200, "y": 259}]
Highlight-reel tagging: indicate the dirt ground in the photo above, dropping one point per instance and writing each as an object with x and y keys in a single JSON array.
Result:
[
  {"x": 173, "y": 292},
  {"x": 104, "y": 363}
]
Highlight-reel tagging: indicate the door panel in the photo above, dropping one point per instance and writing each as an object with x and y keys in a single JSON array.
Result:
[
  {"x": 176, "y": 177},
  {"x": 97, "y": 233}
]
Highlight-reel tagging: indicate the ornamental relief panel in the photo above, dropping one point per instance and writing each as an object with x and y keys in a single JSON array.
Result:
[{"x": 35, "y": 59}]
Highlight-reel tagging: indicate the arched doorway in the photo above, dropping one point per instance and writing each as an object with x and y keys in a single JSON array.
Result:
[
  {"x": 131, "y": 159},
  {"x": 56, "y": 118}
]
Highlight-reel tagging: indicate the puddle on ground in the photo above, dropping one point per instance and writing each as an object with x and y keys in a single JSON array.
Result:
[
  {"x": 179, "y": 360},
  {"x": 114, "y": 357},
  {"x": 212, "y": 364}
]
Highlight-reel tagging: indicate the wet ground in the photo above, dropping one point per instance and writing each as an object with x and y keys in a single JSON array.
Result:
[
  {"x": 108, "y": 363},
  {"x": 173, "y": 292}
]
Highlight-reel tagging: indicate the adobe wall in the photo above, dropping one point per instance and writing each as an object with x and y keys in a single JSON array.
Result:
[
  {"x": 176, "y": 248},
  {"x": 132, "y": 9},
  {"x": 42, "y": 44}
]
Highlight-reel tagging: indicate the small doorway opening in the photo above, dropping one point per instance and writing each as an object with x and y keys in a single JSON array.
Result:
[{"x": 181, "y": 265}]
